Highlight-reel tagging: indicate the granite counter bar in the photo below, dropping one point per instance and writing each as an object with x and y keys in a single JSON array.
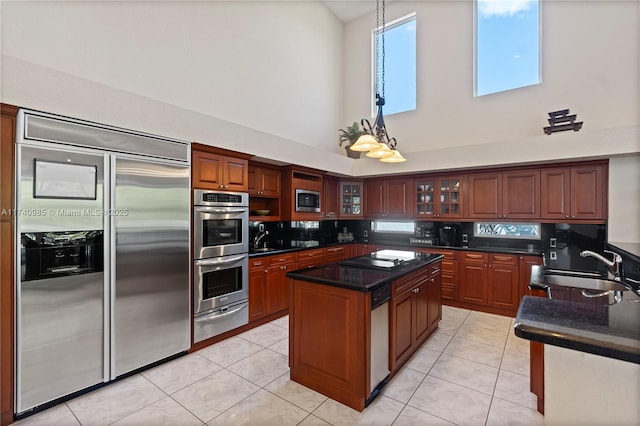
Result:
[
  {"x": 590, "y": 368},
  {"x": 352, "y": 326}
]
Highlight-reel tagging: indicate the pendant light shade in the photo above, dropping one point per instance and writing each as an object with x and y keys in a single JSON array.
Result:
[
  {"x": 365, "y": 143},
  {"x": 395, "y": 158},
  {"x": 382, "y": 152}
]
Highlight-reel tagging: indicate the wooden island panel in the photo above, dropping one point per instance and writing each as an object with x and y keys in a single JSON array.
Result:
[{"x": 328, "y": 340}]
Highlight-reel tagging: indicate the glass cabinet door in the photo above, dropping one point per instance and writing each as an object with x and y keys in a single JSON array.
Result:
[
  {"x": 351, "y": 199},
  {"x": 438, "y": 197},
  {"x": 425, "y": 197},
  {"x": 450, "y": 200}
]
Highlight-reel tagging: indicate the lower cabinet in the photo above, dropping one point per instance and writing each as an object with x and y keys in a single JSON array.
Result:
[
  {"x": 491, "y": 281},
  {"x": 268, "y": 285},
  {"x": 415, "y": 311}
]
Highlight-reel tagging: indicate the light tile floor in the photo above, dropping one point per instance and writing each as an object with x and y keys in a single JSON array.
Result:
[{"x": 472, "y": 371}]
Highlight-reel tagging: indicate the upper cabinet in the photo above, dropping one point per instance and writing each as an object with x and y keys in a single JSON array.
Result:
[
  {"x": 438, "y": 197},
  {"x": 264, "y": 181},
  {"x": 212, "y": 170},
  {"x": 507, "y": 195},
  {"x": 302, "y": 186},
  {"x": 265, "y": 188},
  {"x": 330, "y": 188},
  {"x": 350, "y": 199},
  {"x": 574, "y": 192},
  {"x": 388, "y": 198}
]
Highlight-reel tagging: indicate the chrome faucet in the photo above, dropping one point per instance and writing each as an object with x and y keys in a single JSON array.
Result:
[
  {"x": 614, "y": 265},
  {"x": 259, "y": 237}
]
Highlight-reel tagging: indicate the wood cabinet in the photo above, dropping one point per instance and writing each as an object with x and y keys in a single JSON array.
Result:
[
  {"x": 490, "y": 280},
  {"x": 503, "y": 282},
  {"x": 268, "y": 287},
  {"x": 258, "y": 269},
  {"x": 300, "y": 178},
  {"x": 219, "y": 172},
  {"x": 7, "y": 153},
  {"x": 473, "y": 278},
  {"x": 264, "y": 182},
  {"x": 277, "y": 284},
  {"x": 330, "y": 191},
  {"x": 364, "y": 249},
  {"x": 438, "y": 197},
  {"x": 570, "y": 193},
  {"x": 507, "y": 195},
  {"x": 265, "y": 189},
  {"x": 329, "y": 337},
  {"x": 309, "y": 258},
  {"x": 351, "y": 199},
  {"x": 415, "y": 310},
  {"x": 335, "y": 254},
  {"x": 388, "y": 198},
  {"x": 449, "y": 276}
]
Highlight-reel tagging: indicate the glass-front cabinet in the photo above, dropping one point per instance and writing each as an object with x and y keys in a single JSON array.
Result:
[
  {"x": 438, "y": 197},
  {"x": 350, "y": 199}
]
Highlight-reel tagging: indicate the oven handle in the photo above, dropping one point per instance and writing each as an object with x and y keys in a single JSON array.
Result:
[
  {"x": 218, "y": 210},
  {"x": 216, "y": 316},
  {"x": 216, "y": 261}
]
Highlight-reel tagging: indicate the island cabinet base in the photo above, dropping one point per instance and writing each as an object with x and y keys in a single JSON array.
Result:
[{"x": 328, "y": 335}]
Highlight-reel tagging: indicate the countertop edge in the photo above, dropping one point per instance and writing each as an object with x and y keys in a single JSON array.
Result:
[
  {"x": 299, "y": 275},
  {"x": 566, "y": 337}
]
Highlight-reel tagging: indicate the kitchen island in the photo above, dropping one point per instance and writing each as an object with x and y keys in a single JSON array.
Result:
[
  {"x": 591, "y": 368},
  {"x": 353, "y": 324}
]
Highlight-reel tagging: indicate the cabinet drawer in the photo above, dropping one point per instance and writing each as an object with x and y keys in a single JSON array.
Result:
[
  {"x": 282, "y": 259},
  {"x": 334, "y": 251},
  {"x": 450, "y": 267},
  {"x": 305, "y": 255},
  {"x": 435, "y": 268},
  {"x": 258, "y": 263},
  {"x": 477, "y": 257},
  {"x": 505, "y": 259},
  {"x": 410, "y": 281}
]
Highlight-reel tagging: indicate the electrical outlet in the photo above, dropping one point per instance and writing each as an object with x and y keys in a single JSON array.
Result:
[
  {"x": 553, "y": 242},
  {"x": 366, "y": 233},
  {"x": 553, "y": 255}
]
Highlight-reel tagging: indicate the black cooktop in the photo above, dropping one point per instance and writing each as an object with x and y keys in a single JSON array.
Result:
[{"x": 384, "y": 259}]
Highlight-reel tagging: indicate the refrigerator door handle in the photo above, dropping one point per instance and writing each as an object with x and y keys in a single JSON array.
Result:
[
  {"x": 217, "y": 261},
  {"x": 216, "y": 316}
]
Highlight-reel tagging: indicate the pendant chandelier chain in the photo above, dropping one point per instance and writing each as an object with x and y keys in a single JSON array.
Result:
[{"x": 383, "y": 53}]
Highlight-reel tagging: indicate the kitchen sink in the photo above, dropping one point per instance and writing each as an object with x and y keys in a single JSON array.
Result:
[{"x": 583, "y": 281}]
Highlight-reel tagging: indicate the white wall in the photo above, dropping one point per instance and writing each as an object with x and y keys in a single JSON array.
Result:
[
  {"x": 278, "y": 78},
  {"x": 624, "y": 199},
  {"x": 590, "y": 64},
  {"x": 260, "y": 77}
]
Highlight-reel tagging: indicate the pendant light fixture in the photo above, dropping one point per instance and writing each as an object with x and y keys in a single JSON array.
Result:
[{"x": 375, "y": 140}]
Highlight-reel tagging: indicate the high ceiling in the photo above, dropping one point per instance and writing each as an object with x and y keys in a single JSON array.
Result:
[{"x": 347, "y": 10}]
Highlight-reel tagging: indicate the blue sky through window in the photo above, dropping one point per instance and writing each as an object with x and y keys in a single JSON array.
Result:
[
  {"x": 400, "y": 66},
  {"x": 507, "y": 45}
]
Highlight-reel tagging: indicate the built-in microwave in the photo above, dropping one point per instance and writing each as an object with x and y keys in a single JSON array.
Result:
[{"x": 307, "y": 200}]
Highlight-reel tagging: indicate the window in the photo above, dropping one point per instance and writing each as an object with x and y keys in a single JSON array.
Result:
[
  {"x": 507, "y": 49},
  {"x": 527, "y": 231},
  {"x": 399, "y": 65},
  {"x": 405, "y": 227}
]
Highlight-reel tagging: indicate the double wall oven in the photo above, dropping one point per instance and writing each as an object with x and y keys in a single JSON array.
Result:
[{"x": 221, "y": 262}]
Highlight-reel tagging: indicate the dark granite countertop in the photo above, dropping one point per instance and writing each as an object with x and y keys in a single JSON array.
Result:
[
  {"x": 289, "y": 248},
  {"x": 359, "y": 279},
  {"x": 586, "y": 325}
]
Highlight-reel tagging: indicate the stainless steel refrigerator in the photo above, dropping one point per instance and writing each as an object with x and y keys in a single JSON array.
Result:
[{"x": 102, "y": 276}]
